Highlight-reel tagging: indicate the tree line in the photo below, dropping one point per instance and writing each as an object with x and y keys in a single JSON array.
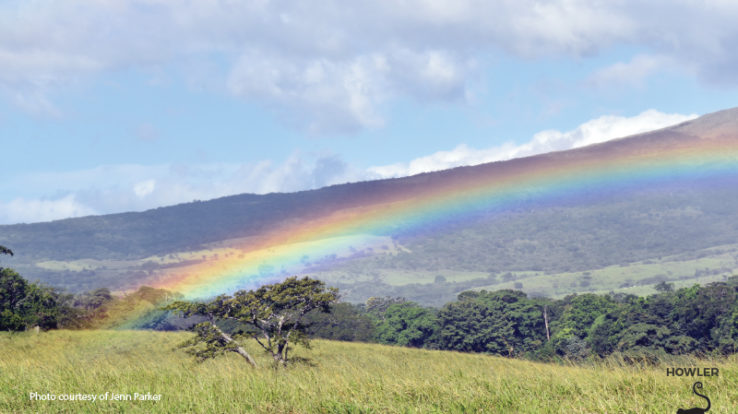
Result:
[
  {"x": 27, "y": 305},
  {"x": 697, "y": 320}
]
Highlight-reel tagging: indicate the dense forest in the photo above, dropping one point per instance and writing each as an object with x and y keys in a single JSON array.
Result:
[{"x": 701, "y": 320}]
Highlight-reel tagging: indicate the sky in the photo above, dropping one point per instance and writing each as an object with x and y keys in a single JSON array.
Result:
[{"x": 118, "y": 105}]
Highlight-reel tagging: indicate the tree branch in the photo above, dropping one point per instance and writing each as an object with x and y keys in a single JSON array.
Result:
[{"x": 239, "y": 350}]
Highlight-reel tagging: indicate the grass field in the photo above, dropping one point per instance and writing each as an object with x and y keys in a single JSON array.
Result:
[
  {"x": 338, "y": 378},
  {"x": 633, "y": 278},
  {"x": 638, "y": 278},
  {"x": 363, "y": 275}
]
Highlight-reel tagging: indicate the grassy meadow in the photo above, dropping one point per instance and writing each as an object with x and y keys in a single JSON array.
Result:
[{"x": 335, "y": 377}]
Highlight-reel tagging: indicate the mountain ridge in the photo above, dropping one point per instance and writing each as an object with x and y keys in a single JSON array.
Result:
[{"x": 135, "y": 237}]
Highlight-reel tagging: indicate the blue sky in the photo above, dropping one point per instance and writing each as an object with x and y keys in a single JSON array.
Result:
[{"x": 115, "y": 105}]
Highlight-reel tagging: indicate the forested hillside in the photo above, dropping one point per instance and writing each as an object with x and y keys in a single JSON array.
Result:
[{"x": 622, "y": 239}]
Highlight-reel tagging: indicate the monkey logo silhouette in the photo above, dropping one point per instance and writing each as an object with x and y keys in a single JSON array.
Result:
[{"x": 696, "y": 410}]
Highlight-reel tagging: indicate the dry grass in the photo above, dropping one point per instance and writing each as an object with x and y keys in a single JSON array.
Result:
[{"x": 340, "y": 378}]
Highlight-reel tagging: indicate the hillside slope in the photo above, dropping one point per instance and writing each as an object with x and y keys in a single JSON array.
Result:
[
  {"x": 689, "y": 224},
  {"x": 338, "y": 377}
]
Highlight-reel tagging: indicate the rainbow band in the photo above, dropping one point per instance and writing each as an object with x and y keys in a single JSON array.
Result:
[{"x": 430, "y": 200}]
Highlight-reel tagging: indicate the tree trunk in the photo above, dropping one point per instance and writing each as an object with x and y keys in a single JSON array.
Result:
[
  {"x": 239, "y": 350},
  {"x": 280, "y": 355},
  {"x": 277, "y": 358},
  {"x": 545, "y": 320}
]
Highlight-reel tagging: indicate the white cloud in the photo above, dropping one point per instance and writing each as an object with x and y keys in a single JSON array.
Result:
[
  {"x": 591, "y": 132},
  {"x": 334, "y": 66},
  {"x": 144, "y": 188},
  {"x": 631, "y": 73},
  {"x": 601, "y": 129},
  {"x": 326, "y": 96},
  {"x": 35, "y": 102},
  {"x": 127, "y": 187},
  {"x": 346, "y": 94},
  {"x": 22, "y": 210}
]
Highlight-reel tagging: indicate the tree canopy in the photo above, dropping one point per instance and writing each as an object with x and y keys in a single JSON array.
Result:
[
  {"x": 408, "y": 324},
  {"x": 503, "y": 322},
  {"x": 693, "y": 320},
  {"x": 24, "y": 304},
  {"x": 272, "y": 315}
]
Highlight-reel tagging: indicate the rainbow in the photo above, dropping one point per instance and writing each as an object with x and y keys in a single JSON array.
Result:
[{"x": 433, "y": 200}]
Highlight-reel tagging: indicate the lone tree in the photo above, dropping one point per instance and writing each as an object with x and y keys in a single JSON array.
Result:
[{"x": 272, "y": 315}]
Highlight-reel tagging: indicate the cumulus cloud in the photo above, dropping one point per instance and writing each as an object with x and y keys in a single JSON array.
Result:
[
  {"x": 344, "y": 95},
  {"x": 334, "y": 66},
  {"x": 325, "y": 96},
  {"x": 591, "y": 132}
]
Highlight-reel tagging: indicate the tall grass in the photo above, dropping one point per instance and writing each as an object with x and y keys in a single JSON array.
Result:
[{"x": 338, "y": 378}]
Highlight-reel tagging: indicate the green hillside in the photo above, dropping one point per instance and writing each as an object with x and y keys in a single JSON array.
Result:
[
  {"x": 680, "y": 230},
  {"x": 336, "y": 377},
  {"x": 683, "y": 236}
]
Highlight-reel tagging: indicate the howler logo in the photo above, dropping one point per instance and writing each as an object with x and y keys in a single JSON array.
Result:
[{"x": 696, "y": 410}]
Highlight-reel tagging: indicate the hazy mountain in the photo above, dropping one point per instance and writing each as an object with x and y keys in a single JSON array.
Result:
[{"x": 684, "y": 230}]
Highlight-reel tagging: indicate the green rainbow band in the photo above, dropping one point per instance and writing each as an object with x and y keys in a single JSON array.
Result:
[{"x": 456, "y": 194}]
